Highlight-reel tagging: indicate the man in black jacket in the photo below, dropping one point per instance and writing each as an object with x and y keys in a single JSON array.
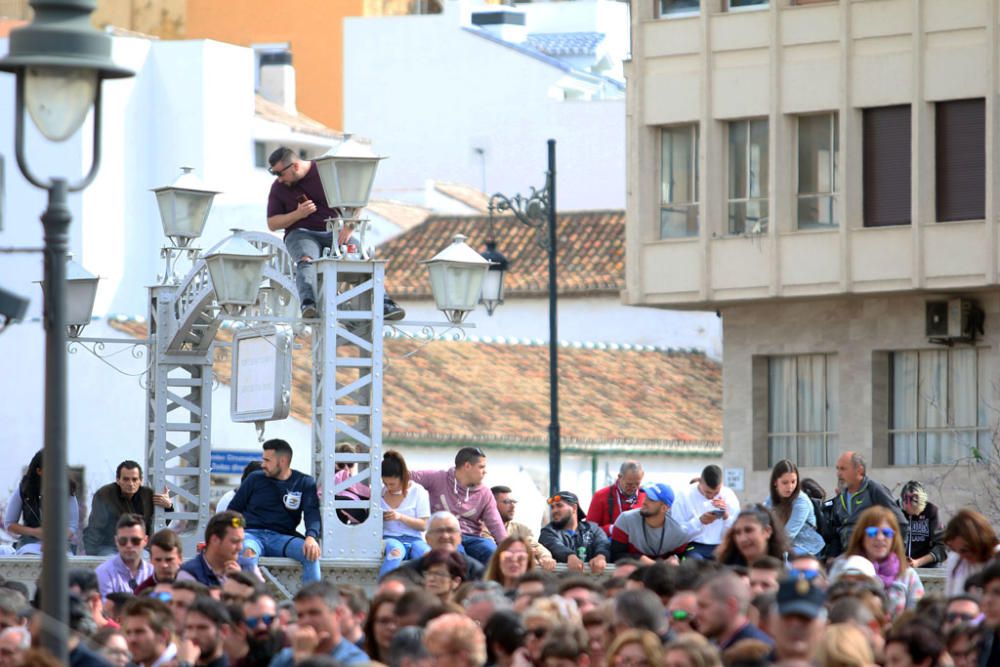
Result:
[
  {"x": 857, "y": 493},
  {"x": 125, "y": 495},
  {"x": 571, "y": 538}
]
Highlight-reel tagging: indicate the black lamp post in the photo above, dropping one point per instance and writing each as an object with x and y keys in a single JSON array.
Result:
[
  {"x": 60, "y": 60},
  {"x": 538, "y": 211}
]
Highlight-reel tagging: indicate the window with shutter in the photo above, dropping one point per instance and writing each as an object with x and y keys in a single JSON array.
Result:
[
  {"x": 960, "y": 164},
  {"x": 886, "y": 166}
]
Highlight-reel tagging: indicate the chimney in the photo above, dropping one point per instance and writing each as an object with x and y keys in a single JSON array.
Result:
[
  {"x": 504, "y": 22},
  {"x": 277, "y": 79}
]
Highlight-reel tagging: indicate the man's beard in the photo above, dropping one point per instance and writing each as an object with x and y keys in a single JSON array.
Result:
[
  {"x": 560, "y": 524},
  {"x": 647, "y": 513}
]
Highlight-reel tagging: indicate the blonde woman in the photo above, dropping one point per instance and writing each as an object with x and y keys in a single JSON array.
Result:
[
  {"x": 691, "y": 650},
  {"x": 635, "y": 648},
  {"x": 843, "y": 645}
]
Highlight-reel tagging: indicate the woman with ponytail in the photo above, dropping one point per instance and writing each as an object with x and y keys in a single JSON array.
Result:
[{"x": 405, "y": 510}]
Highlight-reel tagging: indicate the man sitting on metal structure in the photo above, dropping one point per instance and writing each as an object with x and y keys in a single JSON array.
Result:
[
  {"x": 706, "y": 510},
  {"x": 460, "y": 490},
  {"x": 127, "y": 570},
  {"x": 298, "y": 205},
  {"x": 571, "y": 538},
  {"x": 621, "y": 496},
  {"x": 273, "y": 501},
  {"x": 222, "y": 555},
  {"x": 125, "y": 495}
]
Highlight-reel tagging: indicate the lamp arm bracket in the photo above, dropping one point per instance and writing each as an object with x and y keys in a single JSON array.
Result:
[
  {"x": 138, "y": 348},
  {"x": 531, "y": 211}
]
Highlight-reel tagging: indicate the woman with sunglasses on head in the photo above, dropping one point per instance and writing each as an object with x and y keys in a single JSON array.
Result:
[
  {"x": 972, "y": 542},
  {"x": 876, "y": 537},
  {"x": 923, "y": 539},
  {"x": 23, "y": 516},
  {"x": 405, "y": 510},
  {"x": 794, "y": 509},
  {"x": 754, "y": 534},
  {"x": 509, "y": 562}
]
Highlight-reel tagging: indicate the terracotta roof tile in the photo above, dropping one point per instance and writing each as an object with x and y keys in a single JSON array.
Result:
[
  {"x": 475, "y": 199},
  {"x": 669, "y": 403},
  {"x": 591, "y": 255},
  {"x": 404, "y": 216},
  {"x": 268, "y": 110}
]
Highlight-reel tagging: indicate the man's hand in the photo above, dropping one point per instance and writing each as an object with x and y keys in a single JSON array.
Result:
[
  {"x": 345, "y": 234},
  {"x": 305, "y": 209},
  {"x": 187, "y": 651},
  {"x": 311, "y": 548},
  {"x": 231, "y": 566},
  {"x": 548, "y": 564},
  {"x": 708, "y": 517},
  {"x": 304, "y": 641},
  {"x": 597, "y": 564},
  {"x": 720, "y": 504},
  {"x": 162, "y": 499},
  {"x": 573, "y": 562}
]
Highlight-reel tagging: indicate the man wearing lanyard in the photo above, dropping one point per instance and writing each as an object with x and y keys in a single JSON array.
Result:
[
  {"x": 649, "y": 533},
  {"x": 608, "y": 503}
]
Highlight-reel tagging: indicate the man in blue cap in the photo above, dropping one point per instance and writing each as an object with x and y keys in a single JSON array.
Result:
[{"x": 648, "y": 533}]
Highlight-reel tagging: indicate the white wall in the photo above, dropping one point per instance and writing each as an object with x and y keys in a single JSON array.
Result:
[
  {"x": 429, "y": 93},
  {"x": 106, "y": 409},
  {"x": 588, "y": 319}
]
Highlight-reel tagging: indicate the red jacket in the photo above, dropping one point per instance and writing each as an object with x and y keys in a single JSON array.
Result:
[{"x": 608, "y": 503}]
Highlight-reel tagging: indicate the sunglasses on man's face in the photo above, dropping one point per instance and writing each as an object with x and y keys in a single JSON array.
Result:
[
  {"x": 954, "y": 616},
  {"x": 279, "y": 172},
  {"x": 266, "y": 619},
  {"x": 136, "y": 541},
  {"x": 162, "y": 596},
  {"x": 872, "y": 531},
  {"x": 808, "y": 575},
  {"x": 681, "y": 615}
]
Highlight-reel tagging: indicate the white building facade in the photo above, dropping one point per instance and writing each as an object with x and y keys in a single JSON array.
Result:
[
  {"x": 475, "y": 104},
  {"x": 824, "y": 174},
  {"x": 191, "y": 103}
]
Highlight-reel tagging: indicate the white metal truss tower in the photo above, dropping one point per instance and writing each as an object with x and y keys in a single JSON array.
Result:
[{"x": 347, "y": 404}]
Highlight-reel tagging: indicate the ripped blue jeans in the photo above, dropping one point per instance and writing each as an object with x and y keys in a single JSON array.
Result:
[
  {"x": 399, "y": 548},
  {"x": 307, "y": 243}
]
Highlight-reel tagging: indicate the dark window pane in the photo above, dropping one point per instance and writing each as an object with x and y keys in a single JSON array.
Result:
[
  {"x": 960, "y": 162},
  {"x": 887, "y": 159}
]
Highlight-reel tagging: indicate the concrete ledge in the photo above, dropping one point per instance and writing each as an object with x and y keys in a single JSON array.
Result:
[{"x": 284, "y": 575}]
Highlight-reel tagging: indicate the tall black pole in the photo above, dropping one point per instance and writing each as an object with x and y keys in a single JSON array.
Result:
[
  {"x": 554, "y": 452},
  {"x": 55, "y": 483}
]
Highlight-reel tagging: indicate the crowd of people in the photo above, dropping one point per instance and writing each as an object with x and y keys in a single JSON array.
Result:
[{"x": 648, "y": 575}]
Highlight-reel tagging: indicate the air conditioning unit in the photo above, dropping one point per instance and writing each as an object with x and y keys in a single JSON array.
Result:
[{"x": 954, "y": 320}]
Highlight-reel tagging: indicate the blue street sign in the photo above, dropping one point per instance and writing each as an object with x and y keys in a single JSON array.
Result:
[{"x": 232, "y": 461}]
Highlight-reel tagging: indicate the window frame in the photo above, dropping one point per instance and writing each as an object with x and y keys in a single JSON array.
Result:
[
  {"x": 830, "y": 436},
  {"x": 747, "y": 171},
  {"x": 695, "y": 200},
  {"x": 834, "y": 166},
  {"x": 874, "y": 163},
  {"x": 981, "y": 428},
  {"x": 762, "y": 4},
  {"x": 956, "y": 212},
  {"x": 683, "y": 13}
]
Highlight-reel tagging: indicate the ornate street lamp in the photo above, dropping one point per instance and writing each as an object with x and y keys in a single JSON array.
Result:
[
  {"x": 184, "y": 207},
  {"x": 60, "y": 61},
  {"x": 237, "y": 269},
  {"x": 456, "y": 275},
  {"x": 538, "y": 211},
  {"x": 492, "y": 295},
  {"x": 347, "y": 172},
  {"x": 81, "y": 292}
]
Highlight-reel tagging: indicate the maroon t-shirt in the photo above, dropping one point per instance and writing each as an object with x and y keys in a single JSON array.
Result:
[{"x": 285, "y": 199}]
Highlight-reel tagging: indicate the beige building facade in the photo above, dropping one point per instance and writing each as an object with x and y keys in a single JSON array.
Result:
[{"x": 824, "y": 175}]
